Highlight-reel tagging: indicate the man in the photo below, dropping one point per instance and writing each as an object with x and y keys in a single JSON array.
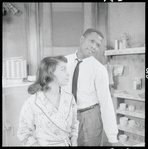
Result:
[{"x": 94, "y": 103}]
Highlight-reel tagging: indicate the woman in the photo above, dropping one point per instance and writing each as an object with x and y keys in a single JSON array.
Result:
[{"x": 49, "y": 116}]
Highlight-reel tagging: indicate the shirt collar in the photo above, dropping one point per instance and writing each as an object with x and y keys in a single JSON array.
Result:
[{"x": 84, "y": 60}]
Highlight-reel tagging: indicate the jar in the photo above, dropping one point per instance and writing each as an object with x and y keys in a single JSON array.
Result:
[
  {"x": 122, "y": 106},
  {"x": 120, "y": 44},
  {"x": 131, "y": 123},
  {"x": 116, "y": 44},
  {"x": 131, "y": 108},
  {"x": 123, "y": 121}
]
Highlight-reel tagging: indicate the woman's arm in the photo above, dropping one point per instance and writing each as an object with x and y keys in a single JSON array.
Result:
[
  {"x": 75, "y": 124},
  {"x": 26, "y": 126}
]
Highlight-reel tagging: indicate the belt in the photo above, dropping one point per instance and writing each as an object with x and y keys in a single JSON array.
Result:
[{"x": 88, "y": 108}]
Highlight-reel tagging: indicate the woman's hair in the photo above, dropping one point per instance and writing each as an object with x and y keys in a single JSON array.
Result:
[
  {"x": 45, "y": 73},
  {"x": 91, "y": 30}
]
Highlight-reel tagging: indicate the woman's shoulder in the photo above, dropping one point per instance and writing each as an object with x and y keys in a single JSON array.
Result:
[
  {"x": 66, "y": 93},
  {"x": 31, "y": 98},
  {"x": 68, "y": 96}
]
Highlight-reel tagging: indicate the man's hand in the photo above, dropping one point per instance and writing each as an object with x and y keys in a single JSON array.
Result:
[{"x": 74, "y": 141}]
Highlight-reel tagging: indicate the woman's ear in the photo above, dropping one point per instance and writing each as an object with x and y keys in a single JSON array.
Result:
[{"x": 81, "y": 39}]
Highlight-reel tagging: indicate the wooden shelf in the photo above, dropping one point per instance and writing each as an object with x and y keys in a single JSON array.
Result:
[
  {"x": 136, "y": 50},
  {"x": 128, "y": 96},
  {"x": 131, "y": 130},
  {"x": 136, "y": 113}
]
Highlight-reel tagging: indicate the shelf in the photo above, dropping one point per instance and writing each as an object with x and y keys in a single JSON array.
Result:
[
  {"x": 136, "y": 50},
  {"x": 133, "y": 143},
  {"x": 136, "y": 113},
  {"x": 128, "y": 96},
  {"x": 131, "y": 130}
]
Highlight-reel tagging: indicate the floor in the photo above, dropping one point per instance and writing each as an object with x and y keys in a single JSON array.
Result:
[{"x": 106, "y": 144}]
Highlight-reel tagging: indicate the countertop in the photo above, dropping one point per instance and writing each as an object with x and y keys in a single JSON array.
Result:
[{"x": 15, "y": 83}]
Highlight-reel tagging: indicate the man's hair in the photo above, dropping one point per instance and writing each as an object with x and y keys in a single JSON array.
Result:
[{"x": 91, "y": 30}]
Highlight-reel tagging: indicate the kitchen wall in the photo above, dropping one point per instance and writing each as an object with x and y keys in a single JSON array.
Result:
[
  {"x": 67, "y": 27},
  {"x": 128, "y": 18},
  {"x": 14, "y": 33},
  {"x": 23, "y": 34}
]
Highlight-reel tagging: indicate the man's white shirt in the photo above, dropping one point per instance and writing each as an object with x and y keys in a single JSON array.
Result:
[{"x": 93, "y": 87}]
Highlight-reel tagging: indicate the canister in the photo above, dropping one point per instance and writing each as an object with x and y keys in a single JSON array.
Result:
[
  {"x": 131, "y": 123},
  {"x": 137, "y": 83},
  {"x": 116, "y": 44}
]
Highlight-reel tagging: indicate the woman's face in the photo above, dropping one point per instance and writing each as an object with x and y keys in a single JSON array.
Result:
[{"x": 62, "y": 76}]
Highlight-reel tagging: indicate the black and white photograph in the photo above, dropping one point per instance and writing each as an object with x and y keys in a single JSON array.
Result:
[{"x": 73, "y": 74}]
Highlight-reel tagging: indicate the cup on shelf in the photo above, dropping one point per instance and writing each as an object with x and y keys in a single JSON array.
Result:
[
  {"x": 123, "y": 121},
  {"x": 131, "y": 107},
  {"x": 131, "y": 123},
  {"x": 122, "y": 138},
  {"x": 122, "y": 106},
  {"x": 31, "y": 78}
]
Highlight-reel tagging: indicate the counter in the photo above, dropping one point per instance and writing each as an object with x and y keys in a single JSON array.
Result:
[{"x": 15, "y": 83}]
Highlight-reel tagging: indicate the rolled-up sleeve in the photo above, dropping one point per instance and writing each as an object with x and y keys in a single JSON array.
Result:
[
  {"x": 107, "y": 108},
  {"x": 26, "y": 127}
]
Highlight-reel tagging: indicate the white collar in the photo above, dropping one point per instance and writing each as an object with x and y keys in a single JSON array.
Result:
[{"x": 84, "y": 60}]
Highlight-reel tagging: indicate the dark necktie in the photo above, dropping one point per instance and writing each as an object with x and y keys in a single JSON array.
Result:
[{"x": 75, "y": 79}]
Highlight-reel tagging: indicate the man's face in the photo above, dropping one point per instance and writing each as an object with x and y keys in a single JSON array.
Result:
[{"x": 90, "y": 44}]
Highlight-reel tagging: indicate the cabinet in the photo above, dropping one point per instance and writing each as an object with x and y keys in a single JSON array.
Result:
[
  {"x": 136, "y": 133},
  {"x": 14, "y": 95}
]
